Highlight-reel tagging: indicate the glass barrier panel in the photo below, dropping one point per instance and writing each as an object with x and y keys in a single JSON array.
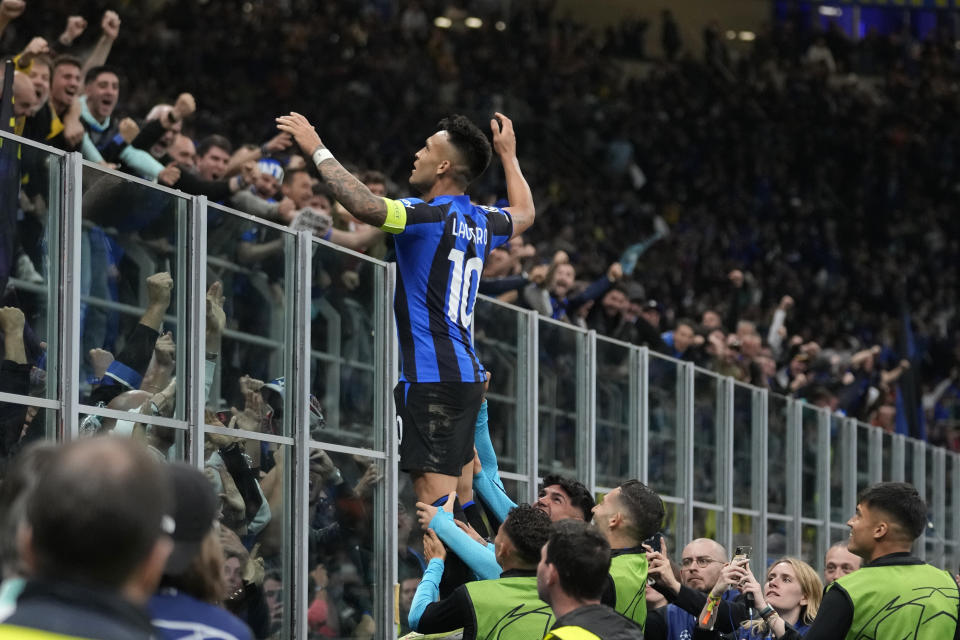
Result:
[
  {"x": 952, "y": 525},
  {"x": 706, "y": 523},
  {"x": 745, "y": 464},
  {"x": 668, "y": 530},
  {"x": 248, "y": 263},
  {"x": 887, "y": 457},
  {"x": 933, "y": 491},
  {"x": 497, "y": 341},
  {"x": 560, "y": 376},
  {"x": 909, "y": 458},
  {"x": 808, "y": 460},
  {"x": 778, "y": 532},
  {"x": 863, "y": 456},
  {"x": 24, "y": 425},
  {"x": 839, "y": 534},
  {"x": 777, "y": 408},
  {"x": 347, "y": 506},
  {"x": 837, "y": 468},
  {"x": 707, "y": 429},
  {"x": 664, "y": 437},
  {"x": 346, "y": 294},
  {"x": 253, "y": 480},
  {"x": 744, "y": 533},
  {"x": 133, "y": 290},
  {"x": 139, "y": 422},
  {"x": 613, "y": 413},
  {"x": 29, "y": 264},
  {"x": 808, "y": 545}
]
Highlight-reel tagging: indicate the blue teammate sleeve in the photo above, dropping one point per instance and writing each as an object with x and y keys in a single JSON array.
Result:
[
  {"x": 484, "y": 445},
  {"x": 475, "y": 555},
  {"x": 493, "y": 496},
  {"x": 428, "y": 591},
  {"x": 488, "y": 484}
]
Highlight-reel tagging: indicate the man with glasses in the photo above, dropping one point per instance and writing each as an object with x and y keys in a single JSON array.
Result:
[{"x": 700, "y": 565}]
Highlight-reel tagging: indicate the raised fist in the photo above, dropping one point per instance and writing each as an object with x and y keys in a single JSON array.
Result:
[
  {"x": 36, "y": 47},
  {"x": 12, "y": 9},
  {"x": 128, "y": 129},
  {"x": 159, "y": 287},
  {"x": 76, "y": 25},
  {"x": 184, "y": 107},
  {"x": 614, "y": 272},
  {"x": 110, "y": 24}
]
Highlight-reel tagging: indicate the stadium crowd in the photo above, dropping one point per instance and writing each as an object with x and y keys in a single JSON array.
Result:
[{"x": 783, "y": 216}]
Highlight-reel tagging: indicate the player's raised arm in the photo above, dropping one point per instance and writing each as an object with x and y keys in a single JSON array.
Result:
[
  {"x": 349, "y": 192},
  {"x": 518, "y": 191}
]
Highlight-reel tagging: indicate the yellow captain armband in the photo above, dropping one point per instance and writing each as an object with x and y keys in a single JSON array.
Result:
[{"x": 396, "y": 220}]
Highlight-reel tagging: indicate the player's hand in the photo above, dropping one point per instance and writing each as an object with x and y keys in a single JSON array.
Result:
[
  {"x": 504, "y": 139},
  {"x": 302, "y": 131},
  {"x": 477, "y": 466},
  {"x": 470, "y": 531},
  {"x": 432, "y": 547},
  {"x": 426, "y": 512}
]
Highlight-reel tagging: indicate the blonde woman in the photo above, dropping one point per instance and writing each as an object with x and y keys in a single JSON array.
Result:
[{"x": 785, "y": 606}]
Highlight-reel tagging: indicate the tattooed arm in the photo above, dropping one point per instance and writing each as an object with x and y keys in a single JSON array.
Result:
[{"x": 350, "y": 192}]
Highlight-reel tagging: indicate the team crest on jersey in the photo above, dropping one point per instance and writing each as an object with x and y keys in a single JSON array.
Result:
[{"x": 490, "y": 209}]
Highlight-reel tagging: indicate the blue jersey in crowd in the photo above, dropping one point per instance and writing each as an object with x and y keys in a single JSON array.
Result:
[
  {"x": 441, "y": 247},
  {"x": 177, "y": 616}
]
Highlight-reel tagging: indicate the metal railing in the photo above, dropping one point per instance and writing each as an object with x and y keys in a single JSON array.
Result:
[{"x": 733, "y": 462}]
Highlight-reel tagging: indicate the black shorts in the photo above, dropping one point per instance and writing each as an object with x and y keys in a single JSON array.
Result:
[{"x": 437, "y": 421}]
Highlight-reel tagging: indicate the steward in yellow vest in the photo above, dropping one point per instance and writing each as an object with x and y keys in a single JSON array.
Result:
[
  {"x": 573, "y": 571},
  {"x": 500, "y": 609},
  {"x": 893, "y": 595},
  {"x": 628, "y": 515}
]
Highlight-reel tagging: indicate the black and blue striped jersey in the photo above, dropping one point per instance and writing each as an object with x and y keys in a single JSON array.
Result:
[{"x": 441, "y": 247}]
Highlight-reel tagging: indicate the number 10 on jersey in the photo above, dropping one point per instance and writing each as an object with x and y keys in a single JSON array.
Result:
[{"x": 464, "y": 282}]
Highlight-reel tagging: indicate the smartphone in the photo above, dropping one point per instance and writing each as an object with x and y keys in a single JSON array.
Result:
[
  {"x": 653, "y": 542},
  {"x": 743, "y": 554}
]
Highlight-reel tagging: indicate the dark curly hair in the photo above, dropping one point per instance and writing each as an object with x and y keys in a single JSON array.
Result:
[
  {"x": 471, "y": 144},
  {"x": 644, "y": 508},
  {"x": 528, "y": 529},
  {"x": 579, "y": 495}
]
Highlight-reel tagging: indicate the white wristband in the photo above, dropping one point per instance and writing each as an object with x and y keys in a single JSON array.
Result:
[{"x": 321, "y": 154}]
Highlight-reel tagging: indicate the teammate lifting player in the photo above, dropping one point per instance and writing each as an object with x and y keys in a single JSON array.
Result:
[{"x": 442, "y": 241}]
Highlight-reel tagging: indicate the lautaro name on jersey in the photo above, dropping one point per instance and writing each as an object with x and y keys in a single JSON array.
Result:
[{"x": 441, "y": 248}]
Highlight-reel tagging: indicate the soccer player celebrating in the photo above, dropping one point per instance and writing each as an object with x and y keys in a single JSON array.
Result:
[{"x": 442, "y": 240}]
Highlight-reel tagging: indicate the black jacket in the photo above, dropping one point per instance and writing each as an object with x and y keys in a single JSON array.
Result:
[
  {"x": 80, "y": 611},
  {"x": 602, "y": 621}
]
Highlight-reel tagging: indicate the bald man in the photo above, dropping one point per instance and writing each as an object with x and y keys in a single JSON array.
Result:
[
  {"x": 700, "y": 565},
  {"x": 24, "y": 98},
  {"x": 839, "y": 562}
]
